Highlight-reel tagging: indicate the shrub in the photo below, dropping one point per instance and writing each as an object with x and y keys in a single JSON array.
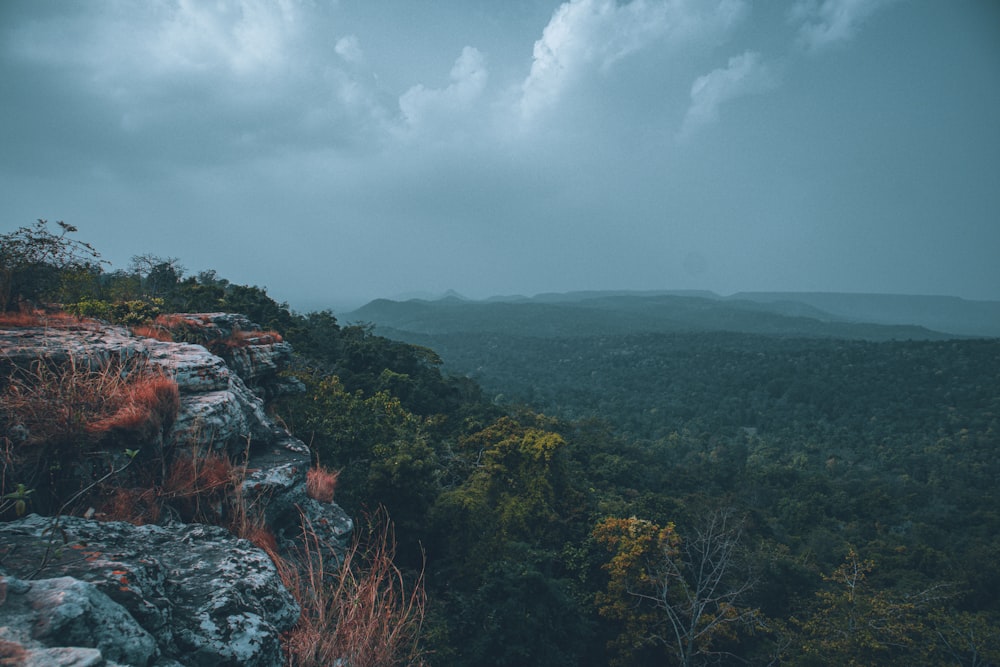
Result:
[
  {"x": 134, "y": 312},
  {"x": 185, "y": 328}
]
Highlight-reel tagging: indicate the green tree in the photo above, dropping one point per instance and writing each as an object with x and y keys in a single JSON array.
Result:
[
  {"x": 36, "y": 264},
  {"x": 853, "y": 623}
]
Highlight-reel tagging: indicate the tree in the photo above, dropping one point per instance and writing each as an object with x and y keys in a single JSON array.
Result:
[
  {"x": 160, "y": 275},
  {"x": 684, "y": 594},
  {"x": 34, "y": 261},
  {"x": 854, "y": 623}
]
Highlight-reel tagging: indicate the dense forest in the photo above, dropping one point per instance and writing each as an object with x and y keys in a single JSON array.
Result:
[{"x": 674, "y": 497}]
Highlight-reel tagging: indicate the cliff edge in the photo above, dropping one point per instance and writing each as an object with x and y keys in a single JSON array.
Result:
[{"x": 77, "y": 588}]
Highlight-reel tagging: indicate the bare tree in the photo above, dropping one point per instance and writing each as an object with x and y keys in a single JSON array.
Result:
[{"x": 700, "y": 585}]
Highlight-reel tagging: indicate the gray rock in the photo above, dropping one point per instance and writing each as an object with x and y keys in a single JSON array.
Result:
[
  {"x": 193, "y": 593},
  {"x": 85, "y": 625}
]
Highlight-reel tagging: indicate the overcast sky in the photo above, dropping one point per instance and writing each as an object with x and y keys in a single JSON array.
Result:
[{"x": 335, "y": 152}]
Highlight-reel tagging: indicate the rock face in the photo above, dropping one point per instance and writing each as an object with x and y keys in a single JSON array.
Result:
[
  {"x": 193, "y": 594},
  {"x": 138, "y": 594}
]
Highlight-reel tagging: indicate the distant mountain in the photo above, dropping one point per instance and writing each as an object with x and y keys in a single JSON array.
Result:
[
  {"x": 428, "y": 296},
  {"x": 614, "y": 313},
  {"x": 940, "y": 313}
]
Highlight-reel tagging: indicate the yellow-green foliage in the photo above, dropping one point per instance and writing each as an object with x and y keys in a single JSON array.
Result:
[
  {"x": 636, "y": 546},
  {"x": 119, "y": 312}
]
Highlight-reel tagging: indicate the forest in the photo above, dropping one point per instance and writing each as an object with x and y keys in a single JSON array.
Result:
[{"x": 628, "y": 497}]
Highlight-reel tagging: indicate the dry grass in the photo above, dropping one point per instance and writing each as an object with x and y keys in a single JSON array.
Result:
[
  {"x": 179, "y": 321},
  {"x": 360, "y": 614},
  {"x": 147, "y": 403},
  {"x": 321, "y": 482},
  {"x": 54, "y": 415},
  {"x": 153, "y": 331},
  {"x": 201, "y": 486},
  {"x": 139, "y": 506},
  {"x": 24, "y": 319},
  {"x": 12, "y": 654},
  {"x": 239, "y": 339},
  {"x": 59, "y": 403}
]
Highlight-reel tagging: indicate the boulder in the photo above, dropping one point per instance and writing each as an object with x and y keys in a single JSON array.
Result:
[{"x": 188, "y": 592}]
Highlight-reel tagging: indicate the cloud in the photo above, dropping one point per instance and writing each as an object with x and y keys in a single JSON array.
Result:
[
  {"x": 184, "y": 82},
  {"x": 585, "y": 37},
  {"x": 349, "y": 48},
  {"x": 423, "y": 106},
  {"x": 745, "y": 74},
  {"x": 826, "y": 23},
  {"x": 243, "y": 37}
]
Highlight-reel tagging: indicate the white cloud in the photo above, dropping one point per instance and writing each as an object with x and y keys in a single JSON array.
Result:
[
  {"x": 586, "y": 36},
  {"x": 825, "y": 23},
  {"x": 745, "y": 74},
  {"x": 244, "y": 36},
  {"x": 349, "y": 48},
  {"x": 422, "y": 106}
]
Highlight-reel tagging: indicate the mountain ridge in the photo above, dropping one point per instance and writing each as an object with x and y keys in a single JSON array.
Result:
[{"x": 571, "y": 314}]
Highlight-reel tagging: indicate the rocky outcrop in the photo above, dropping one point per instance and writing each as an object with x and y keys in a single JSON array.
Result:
[
  {"x": 194, "y": 593},
  {"x": 141, "y": 594}
]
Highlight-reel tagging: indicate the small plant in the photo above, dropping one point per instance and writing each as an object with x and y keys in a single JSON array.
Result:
[
  {"x": 12, "y": 653},
  {"x": 18, "y": 499},
  {"x": 185, "y": 328}
]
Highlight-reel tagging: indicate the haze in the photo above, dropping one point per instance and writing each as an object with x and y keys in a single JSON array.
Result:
[{"x": 334, "y": 152}]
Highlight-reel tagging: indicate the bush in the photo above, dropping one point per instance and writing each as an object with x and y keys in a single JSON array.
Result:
[{"x": 130, "y": 313}]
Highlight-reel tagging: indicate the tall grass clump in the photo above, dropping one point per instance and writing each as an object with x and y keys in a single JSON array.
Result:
[{"x": 362, "y": 611}]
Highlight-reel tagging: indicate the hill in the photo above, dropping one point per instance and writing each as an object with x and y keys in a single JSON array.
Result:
[
  {"x": 940, "y": 313},
  {"x": 614, "y": 313}
]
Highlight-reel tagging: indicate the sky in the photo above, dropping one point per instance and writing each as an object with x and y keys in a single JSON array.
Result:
[{"x": 337, "y": 151}]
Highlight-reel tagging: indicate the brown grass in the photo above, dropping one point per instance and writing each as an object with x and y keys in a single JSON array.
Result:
[
  {"x": 201, "y": 486},
  {"x": 240, "y": 338},
  {"x": 153, "y": 331},
  {"x": 360, "y": 613},
  {"x": 321, "y": 482},
  {"x": 12, "y": 654},
  {"x": 54, "y": 415},
  {"x": 72, "y": 402},
  {"x": 138, "y": 506},
  {"x": 178, "y": 321},
  {"x": 198, "y": 486},
  {"x": 24, "y": 319},
  {"x": 147, "y": 404}
]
